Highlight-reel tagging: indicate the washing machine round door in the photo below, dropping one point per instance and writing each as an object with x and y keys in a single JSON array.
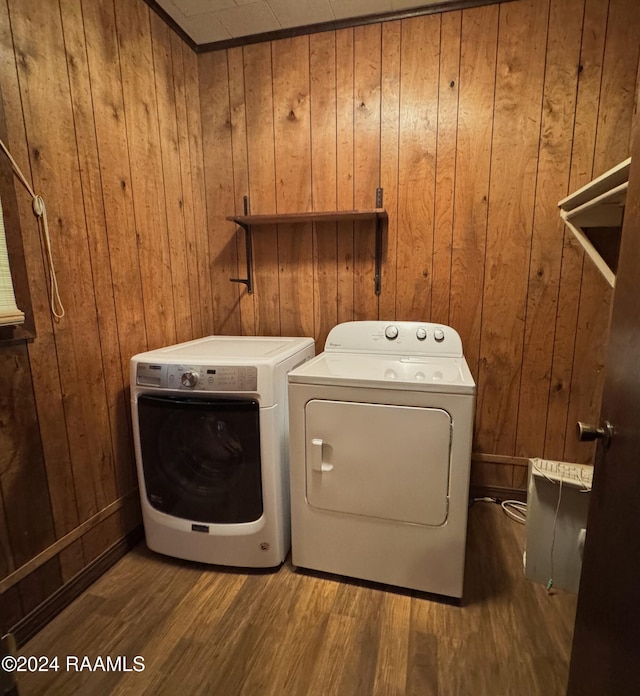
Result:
[{"x": 201, "y": 457}]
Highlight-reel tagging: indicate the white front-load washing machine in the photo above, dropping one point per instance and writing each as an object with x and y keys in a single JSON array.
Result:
[
  {"x": 210, "y": 425},
  {"x": 381, "y": 427}
]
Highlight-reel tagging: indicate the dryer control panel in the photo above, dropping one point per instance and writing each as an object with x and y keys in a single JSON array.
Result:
[
  {"x": 209, "y": 378},
  {"x": 409, "y": 338}
]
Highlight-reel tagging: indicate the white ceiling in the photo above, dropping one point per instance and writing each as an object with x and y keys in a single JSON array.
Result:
[{"x": 208, "y": 21}]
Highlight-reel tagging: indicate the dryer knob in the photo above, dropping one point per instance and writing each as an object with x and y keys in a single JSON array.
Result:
[
  {"x": 190, "y": 379},
  {"x": 438, "y": 334},
  {"x": 421, "y": 333},
  {"x": 391, "y": 332}
]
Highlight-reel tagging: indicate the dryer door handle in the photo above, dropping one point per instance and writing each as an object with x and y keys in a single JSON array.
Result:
[{"x": 317, "y": 456}]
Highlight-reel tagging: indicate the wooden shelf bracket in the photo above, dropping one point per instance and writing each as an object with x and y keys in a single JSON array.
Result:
[{"x": 248, "y": 221}]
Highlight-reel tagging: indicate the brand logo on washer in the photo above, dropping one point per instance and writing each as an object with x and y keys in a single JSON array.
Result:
[{"x": 265, "y": 546}]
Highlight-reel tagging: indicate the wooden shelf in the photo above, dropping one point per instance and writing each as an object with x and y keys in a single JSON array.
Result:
[
  {"x": 594, "y": 215},
  {"x": 326, "y": 216},
  {"x": 248, "y": 222}
]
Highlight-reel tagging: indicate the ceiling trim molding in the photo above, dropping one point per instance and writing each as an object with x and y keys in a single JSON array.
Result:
[
  {"x": 334, "y": 25},
  {"x": 168, "y": 19}
]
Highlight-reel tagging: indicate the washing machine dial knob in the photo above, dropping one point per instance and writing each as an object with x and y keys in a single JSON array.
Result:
[
  {"x": 438, "y": 334},
  {"x": 421, "y": 334},
  {"x": 190, "y": 379},
  {"x": 391, "y": 332}
]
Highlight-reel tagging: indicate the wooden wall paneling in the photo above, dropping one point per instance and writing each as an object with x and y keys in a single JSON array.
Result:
[
  {"x": 419, "y": 69},
  {"x": 116, "y": 526},
  {"x": 7, "y": 564},
  {"x": 366, "y": 169},
  {"x": 389, "y": 156},
  {"x": 582, "y": 154},
  {"x": 516, "y": 129},
  {"x": 554, "y": 159},
  {"x": 291, "y": 120},
  {"x": 471, "y": 189},
  {"x": 10, "y": 609},
  {"x": 113, "y": 155},
  {"x": 42, "y": 352},
  {"x": 556, "y": 431},
  {"x": 171, "y": 175},
  {"x": 141, "y": 108},
  {"x": 40, "y": 585},
  {"x": 587, "y": 377},
  {"x": 237, "y": 106},
  {"x": 196, "y": 167},
  {"x": 262, "y": 192},
  {"x": 48, "y": 117},
  {"x": 186, "y": 179},
  {"x": 617, "y": 94},
  {"x": 92, "y": 196},
  {"x": 29, "y": 528},
  {"x": 618, "y": 78},
  {"x": 214, "y": 97},
  {"x": 345, "y": 106},
  {"x": 490, "y": 475},
  {"x": 324, "y": 194},
  {"x": 448, "y": 92}
]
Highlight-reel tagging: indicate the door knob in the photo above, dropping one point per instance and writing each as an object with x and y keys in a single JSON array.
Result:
[{"x": 587, "y": 432}]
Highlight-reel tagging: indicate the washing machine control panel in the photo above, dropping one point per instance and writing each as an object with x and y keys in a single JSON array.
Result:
[{"x": 210, "y": 378}]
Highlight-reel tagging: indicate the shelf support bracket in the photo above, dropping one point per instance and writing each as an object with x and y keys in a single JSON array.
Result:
[
  {"x": 378, "y": 267},
  {"x": 248, "y": 281}
]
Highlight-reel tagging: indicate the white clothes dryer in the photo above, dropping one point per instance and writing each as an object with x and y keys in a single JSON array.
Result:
[
  {"x": 210, "y": 426},
  {"x": 381, "y": 428}
]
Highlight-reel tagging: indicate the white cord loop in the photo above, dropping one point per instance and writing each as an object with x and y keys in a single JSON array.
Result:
[{"x": 40, "y": 211}]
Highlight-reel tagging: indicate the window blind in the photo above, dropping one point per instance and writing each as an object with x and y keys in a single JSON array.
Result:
[{"x": 9, "y": 312}]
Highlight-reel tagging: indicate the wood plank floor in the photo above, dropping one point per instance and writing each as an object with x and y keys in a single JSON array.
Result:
[{"x": 206, "y": 631}]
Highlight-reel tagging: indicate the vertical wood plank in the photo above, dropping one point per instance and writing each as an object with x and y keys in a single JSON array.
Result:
[
  {"x": 214, "y": 97},
  {"x": 587, "y": 377},
  {"x": 197, "y": 297},
  {"x": 471, "y": 189},
  {"x": 42, "y": 353},
  {"x": 141, "y": 113},
  {"x": 291, "y": 119},
  {"x": 49, "y": 123},
  {"x": 92, "y": 191},
  {"x": 366, "y": 171},
  {"x": 29, "y": 528},
  {"x": 196, "y": 163},
  {"x": 554, "y": 159},
  {"x": 345, "y": 101},
  {"x": 170, "y": 159},
  {"x": 417, "y": 164},
  {"x": 262, "y": 175},
  {"x": 115, "y": 176},
  {"x": 235, "y": 61},
  {"x": 389, "y": 156},
  {"x": 520, "y": 69},
  {"x": 448, "y": 91},
  {"x": 322, "y": 78},
  {"x": 582, "y": 153},
  {"x": 617, "y": 94}
]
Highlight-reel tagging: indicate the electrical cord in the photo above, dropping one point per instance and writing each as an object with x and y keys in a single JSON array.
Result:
[
  {"x": 40, "y": 211},
  {"x": 515, "y": 509},
  {"x": 553, "y": 537}
]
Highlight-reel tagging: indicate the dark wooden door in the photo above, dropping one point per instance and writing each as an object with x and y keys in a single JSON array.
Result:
[{"x": 606, "y": 646}]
